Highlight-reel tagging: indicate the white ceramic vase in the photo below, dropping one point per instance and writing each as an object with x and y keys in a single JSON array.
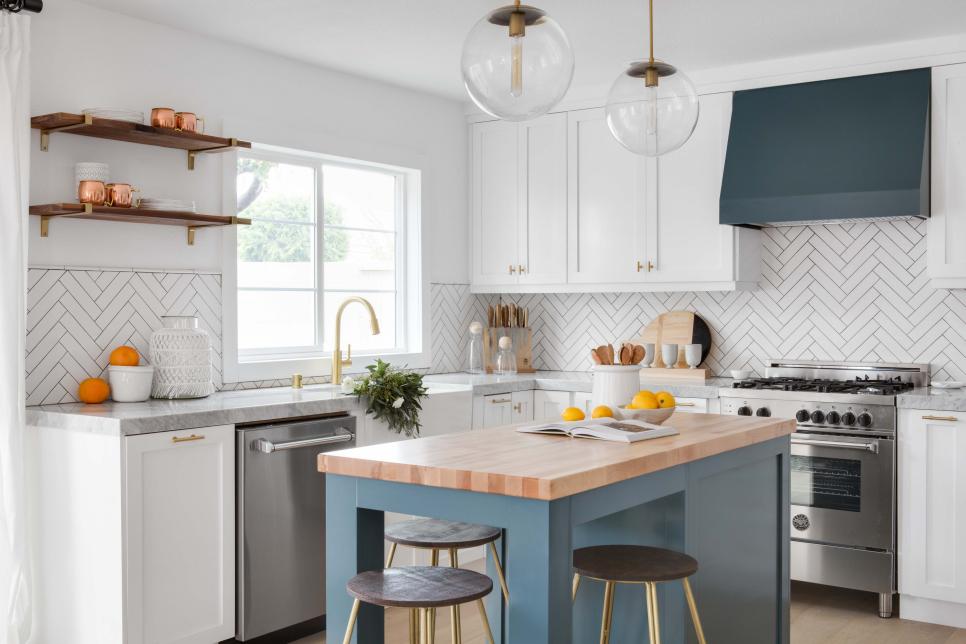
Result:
[
  {"x": 615, "y": 385},
  {"x": 181, "y": 355}
]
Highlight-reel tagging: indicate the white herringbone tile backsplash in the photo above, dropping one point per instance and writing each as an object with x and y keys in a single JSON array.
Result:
[
  {"x": 76, "y": 317},
  {"x": 838, "y": 292},
  {"x": 846, "y": 292}
]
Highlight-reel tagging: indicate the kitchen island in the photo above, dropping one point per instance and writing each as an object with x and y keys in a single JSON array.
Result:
[{"x": 718, "y": 491}]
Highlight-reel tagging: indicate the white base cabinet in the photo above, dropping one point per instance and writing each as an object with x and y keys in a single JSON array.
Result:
[
  {"x": 135, "y": 536},
  {"x": 497, "y": 410},
  {"x": 932, "y": 516}
]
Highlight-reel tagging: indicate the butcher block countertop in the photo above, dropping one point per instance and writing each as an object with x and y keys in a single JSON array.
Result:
[{"x": 503, "y": 461}]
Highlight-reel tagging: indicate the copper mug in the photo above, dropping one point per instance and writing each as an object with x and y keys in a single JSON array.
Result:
[
  {"x": 188, "y": 122},
  {"x": 92, "y": 192},
  {"x": 163, "y": 117},
  {"x": 120, "y": 195}
]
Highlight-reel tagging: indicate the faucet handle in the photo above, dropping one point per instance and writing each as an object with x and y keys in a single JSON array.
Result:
[{"x": 348, "y": 355}]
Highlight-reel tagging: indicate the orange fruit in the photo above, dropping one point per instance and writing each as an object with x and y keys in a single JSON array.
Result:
[
  {"x": 645, "y": 400},
  {"x": 665, "y": 400},
  {"x": 93, "y": 391},
  {"x": 125, "y": 357}
]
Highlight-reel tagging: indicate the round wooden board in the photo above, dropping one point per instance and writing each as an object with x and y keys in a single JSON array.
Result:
[{"x": 680, "y": 328}]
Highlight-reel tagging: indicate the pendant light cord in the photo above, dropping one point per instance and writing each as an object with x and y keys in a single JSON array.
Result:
[{"x": 650, "y": 5}]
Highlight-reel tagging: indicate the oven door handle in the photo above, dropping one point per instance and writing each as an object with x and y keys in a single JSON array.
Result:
[{"x": 865, "y": 447}]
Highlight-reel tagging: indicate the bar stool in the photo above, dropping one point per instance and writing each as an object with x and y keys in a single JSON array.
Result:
[
  {"x": 436, "y": 535},
  {"x": 636, "y": 565},
  {"x": 419, "y": 589}
]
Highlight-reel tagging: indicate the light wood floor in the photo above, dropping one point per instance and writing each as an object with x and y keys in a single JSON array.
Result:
[{"x": 820, "y": 615}]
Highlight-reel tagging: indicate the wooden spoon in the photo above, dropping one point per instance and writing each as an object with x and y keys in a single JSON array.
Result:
[
  {"x": 604, "y": 357},
  {"x": 595, "y": 357},
  {"x": 638, "y": 354},
  {"x": 624, "y": 356},
  {"x": 610, "y": 354}
]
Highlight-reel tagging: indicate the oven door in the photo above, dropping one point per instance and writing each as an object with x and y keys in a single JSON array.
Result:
[{"x": 843, "y": 490}]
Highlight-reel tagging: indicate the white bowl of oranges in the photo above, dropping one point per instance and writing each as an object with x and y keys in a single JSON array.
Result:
[{"x": 649, "y": 406}]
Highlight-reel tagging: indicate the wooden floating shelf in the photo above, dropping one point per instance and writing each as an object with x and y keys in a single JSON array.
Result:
[
  {"x": 84, "y": 211},
  {"x": 114, "y": 130}
]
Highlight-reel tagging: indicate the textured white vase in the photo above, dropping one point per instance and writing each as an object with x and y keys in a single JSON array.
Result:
[
  {"x": 615, "y": 385},
  {"x": 181, "y": 355}
]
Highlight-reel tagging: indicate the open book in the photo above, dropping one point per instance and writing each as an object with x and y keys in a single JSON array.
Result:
[{"x": 606, "y": 429}]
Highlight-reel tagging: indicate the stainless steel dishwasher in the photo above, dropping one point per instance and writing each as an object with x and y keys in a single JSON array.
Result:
[{"x": 281, "y": 521}]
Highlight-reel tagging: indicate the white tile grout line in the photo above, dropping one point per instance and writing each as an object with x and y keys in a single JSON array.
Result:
[{"x": 114, "y": 269}]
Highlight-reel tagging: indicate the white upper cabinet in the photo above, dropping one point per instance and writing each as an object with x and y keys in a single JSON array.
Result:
[
  {"x": 495, "y": 202},
  {"x": 592, "y": 216},
  {"x": 543, "y": 216},
  {"x": 947, "y": 224},
  {"x": 519, "y": 202},
  {"x": 685, "y": 242},
  {"x": 607, "y": 204}
]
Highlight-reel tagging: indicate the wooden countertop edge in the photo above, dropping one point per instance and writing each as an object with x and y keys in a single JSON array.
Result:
[{"x": 540, "y": 488}]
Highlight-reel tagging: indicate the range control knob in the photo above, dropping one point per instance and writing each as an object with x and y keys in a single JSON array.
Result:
[
  {"x": 818, "y": 416},
  {"x": 801, "y": 416},
  {"x": 763, "y": 411},
  {"x": 744, "y": 411},
  {"x": 848, "y": 418},
  {"x": 865, "y": 419},
  {"x": 833, "y": 417}
]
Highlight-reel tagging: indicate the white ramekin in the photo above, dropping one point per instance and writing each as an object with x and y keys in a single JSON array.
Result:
[{"x": 130, "y": 384}]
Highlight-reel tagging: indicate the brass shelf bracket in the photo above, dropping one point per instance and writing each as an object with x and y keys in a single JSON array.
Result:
[
  {"x": 233, "y": 143},
  {"x": 44, "y": 226},
  {"x": 45, "y": 133},
  {"x": 191, "y": 235}
]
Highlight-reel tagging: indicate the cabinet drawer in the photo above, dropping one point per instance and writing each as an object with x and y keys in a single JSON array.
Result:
[{"x": 692, "y": 405}]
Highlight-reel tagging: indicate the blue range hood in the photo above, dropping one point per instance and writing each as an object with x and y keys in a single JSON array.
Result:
[{"x": 836, "y": 151}]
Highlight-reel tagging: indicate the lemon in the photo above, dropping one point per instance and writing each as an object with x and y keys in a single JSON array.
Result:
[
  {"x": 665, "y": 400},
  {"x": 572, "y": 413},
  {"x": 645, "y": 400},
  {"x": 602, "y": 411}
]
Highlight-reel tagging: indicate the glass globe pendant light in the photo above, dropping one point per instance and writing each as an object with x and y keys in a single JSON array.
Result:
[
  {"x": 652, "y": 107},
  {"x": 517, "y": 63}
]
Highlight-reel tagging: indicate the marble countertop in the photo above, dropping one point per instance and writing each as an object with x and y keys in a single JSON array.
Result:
[
  {"x": 931, "y": 399},
  {"x": 220, "y": 408},
  {"x": 569, "y": 381}
]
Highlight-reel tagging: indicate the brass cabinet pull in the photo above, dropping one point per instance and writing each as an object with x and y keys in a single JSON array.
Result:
[
  {"x": 512, "y": 269},
  {"x": 500, "y": 401},
  {"x": 650, "y": 266},
  {"x": 951, "y": 419},
  {"x": 518, "y": 408},
  {"x": 185, "y": 439},
  {"x": 521, "y": 269},
  {"x": 640, "y": 266}
]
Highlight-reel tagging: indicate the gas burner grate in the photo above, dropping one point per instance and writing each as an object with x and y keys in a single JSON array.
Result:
[{"x": 866, "y": 385}]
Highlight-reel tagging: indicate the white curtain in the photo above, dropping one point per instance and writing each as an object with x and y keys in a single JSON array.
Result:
[{"x": 15, "y": 579}]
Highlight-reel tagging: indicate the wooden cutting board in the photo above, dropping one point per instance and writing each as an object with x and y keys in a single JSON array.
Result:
[{"x": 680, "y": 328}]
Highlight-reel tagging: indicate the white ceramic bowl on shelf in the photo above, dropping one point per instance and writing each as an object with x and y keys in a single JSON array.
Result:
[
  {"x": 741, "y": 374},
  {"x": 130, "y": 384},
  {"x": 654, "y": 416},
  {"x": 91, "y": 171}
]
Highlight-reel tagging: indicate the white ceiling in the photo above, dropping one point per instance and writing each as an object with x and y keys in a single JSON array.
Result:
[{"x": 417, "y": 43}]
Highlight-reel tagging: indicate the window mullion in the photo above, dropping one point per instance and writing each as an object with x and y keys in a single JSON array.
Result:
[{"x": 320, "y": 255}]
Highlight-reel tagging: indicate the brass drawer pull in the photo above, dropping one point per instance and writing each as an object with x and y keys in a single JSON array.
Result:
[
  {"x": 185, "y": 439},
  {"x": 500, "y": 401},
  {"x": 685, "y": 404},
  {"x": 951, "y": 419}
]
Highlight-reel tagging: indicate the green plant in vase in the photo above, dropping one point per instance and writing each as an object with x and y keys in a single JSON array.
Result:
[{"x": 392, "y": 395}]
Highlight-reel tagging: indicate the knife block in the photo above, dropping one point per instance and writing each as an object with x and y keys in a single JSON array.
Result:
[{"x": 522, "y": 338}]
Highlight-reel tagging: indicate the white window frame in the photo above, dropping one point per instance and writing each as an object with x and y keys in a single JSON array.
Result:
[{"x": 411, "y": 285}]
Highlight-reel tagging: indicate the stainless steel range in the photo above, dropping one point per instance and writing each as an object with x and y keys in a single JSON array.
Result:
[{"x": 843, "y": 464}]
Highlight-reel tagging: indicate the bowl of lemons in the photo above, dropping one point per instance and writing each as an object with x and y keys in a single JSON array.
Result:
[{"x": 649, "y": 406}]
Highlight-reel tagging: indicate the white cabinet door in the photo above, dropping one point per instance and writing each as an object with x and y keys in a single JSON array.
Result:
[
  {"x": 497, "y": 410},
  {"x": 947, "y": 224},
  {"x": 522, "y": 406},
  {"x": 685, "y": 241},
  {"x": 179, "y": 533},
  {"x": 606, "y": 204},
  {"x": 543, "y": 211},
  {"x": 932, "y": 505},
  {"x": 584, "y": 400},
  {"x": 495, "y": 202},
  {"x": 548, "y": 405}
]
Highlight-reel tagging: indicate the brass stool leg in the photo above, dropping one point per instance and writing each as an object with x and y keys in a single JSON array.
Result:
[
  {"x": 353, "y": 616},
  {"x": 486, "y": 621},
  {"x": 605, "y": 619},
  {"x": 653, "y": 620},
  {"x": 423, "y": 626},
  {"x": 576, "y": 585},
  {"x": 413, "y": 626},
  {"x": 434, "y": 561},
  {"x": 454, "y": 617},
  {"x": 499, "y": 572},
  {"x": 698, "y": 630},
  {"x": 391, "y": 555},
  {"x": 454, "y": 561}
]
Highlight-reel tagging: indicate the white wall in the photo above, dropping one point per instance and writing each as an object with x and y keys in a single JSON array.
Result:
[{"x": 87, "y": 57}]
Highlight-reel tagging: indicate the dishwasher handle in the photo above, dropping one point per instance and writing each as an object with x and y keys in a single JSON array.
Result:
[{"x": 267, "y": 447}]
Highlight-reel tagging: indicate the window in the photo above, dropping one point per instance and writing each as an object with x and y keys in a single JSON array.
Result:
[{"x": 324, "y": 229}]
